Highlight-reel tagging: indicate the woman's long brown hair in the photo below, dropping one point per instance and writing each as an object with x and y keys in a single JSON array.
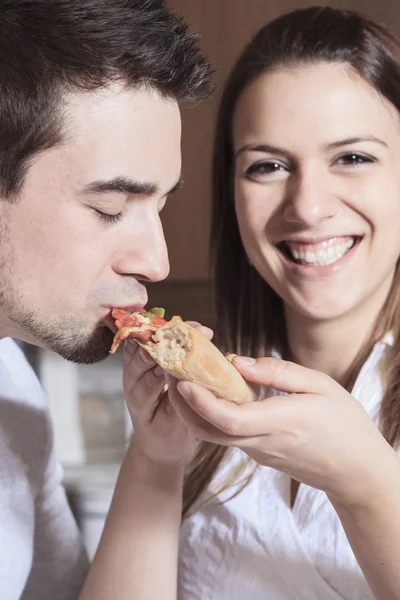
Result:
[{"x": 250, "y": 314}]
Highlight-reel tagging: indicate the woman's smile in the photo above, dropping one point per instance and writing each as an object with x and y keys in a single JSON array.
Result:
[{"x": 318, "y": 259}]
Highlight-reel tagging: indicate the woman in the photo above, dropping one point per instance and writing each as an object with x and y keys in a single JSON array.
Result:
[{"x": 307, "y": 246}]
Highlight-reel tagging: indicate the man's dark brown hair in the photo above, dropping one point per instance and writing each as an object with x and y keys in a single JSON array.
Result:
[{"x": 51, "y": 47}]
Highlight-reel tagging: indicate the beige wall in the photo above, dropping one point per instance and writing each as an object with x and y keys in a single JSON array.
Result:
[{"x": 225, "y": 26}]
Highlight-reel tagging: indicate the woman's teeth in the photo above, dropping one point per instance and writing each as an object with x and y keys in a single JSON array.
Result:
[{"x": 323, "y": 254}]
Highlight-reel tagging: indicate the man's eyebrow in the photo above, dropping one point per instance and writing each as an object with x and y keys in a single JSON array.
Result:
[
  {"x": 123, "y": 185},
  {"x": 355, "y": 140}
]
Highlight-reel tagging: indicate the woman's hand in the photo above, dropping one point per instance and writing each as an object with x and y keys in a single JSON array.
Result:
[
  {"x": 318, "y": 433},
  {"x": 159, "y": 432}
]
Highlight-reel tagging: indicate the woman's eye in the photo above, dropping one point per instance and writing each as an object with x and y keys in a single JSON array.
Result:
[
  {"x": 265, "y": 168},
  {"x": 353, "y": 159},
  {"x": 107, "y": 218}
]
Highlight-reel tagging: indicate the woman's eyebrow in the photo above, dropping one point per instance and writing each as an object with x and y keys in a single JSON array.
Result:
[
  {"x": 266, "y": 148},
  {"x": 355, "y": 140}
]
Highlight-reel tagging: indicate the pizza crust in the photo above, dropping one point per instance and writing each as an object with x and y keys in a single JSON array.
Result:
[{"x": 186, "y": 354}]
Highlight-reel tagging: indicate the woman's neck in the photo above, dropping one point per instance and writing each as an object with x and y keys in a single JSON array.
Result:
[{"x": 332, "y": 346}]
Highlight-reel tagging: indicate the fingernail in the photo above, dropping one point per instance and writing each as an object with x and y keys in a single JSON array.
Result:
[
  {"x": 193, "y": 323},
  {"x": 207, "y": 329},
  {"x": 143, "y": 355},
  {"x": 245, "y": 360},
  {"x": 184, "y": 390},
  {"x": 158, "y": 371}
]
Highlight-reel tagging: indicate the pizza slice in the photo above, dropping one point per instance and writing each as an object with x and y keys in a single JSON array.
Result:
[{"x": 183, "y": 352}]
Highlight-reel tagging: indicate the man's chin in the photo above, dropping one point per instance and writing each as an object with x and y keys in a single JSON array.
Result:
[{"x": 85, "y": 351}]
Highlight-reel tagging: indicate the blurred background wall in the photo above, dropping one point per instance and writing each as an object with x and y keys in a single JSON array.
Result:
[{"x": 87, "y": 402}]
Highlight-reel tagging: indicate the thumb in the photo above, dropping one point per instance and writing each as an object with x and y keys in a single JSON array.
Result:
[{"x": 283, "y": 375}]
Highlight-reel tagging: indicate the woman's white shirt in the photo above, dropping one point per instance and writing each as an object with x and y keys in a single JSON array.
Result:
[{"x": 256, "y": 547}]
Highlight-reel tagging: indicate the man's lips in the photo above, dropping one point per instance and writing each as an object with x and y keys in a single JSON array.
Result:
[
  {"x": 129, "y": 309},
  {"x": 109, "y": 319},
  {"x": 110, "y": 322}
]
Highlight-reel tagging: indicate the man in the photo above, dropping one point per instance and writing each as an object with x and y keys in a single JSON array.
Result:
[{"x": 89, "y": 153}]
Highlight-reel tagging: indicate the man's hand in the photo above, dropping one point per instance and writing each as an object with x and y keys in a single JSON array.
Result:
[{"x": 159, "y": 431}]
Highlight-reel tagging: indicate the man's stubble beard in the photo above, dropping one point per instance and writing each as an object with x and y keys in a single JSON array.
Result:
[
  {"x": 69, "y": 336},
  {"x": 69, "y": 339}
]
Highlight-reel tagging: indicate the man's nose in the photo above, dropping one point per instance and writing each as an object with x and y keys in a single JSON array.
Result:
[
  {"x": 309, "y": 200},
  {"x": 143, "y": 252}
]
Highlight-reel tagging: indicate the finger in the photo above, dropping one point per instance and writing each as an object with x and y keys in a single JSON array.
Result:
[
  {"x": 235, "y": 420},
  {"x": 143, "y": 381},
  {"x": 132, "y": 348},
  {"x": 283, "y": 375},
  {"x": 136, "y": 361},
  {"x": 201, "y": 428},
  {"x": 145, "y": 356},
  {"x": 206, "y": 331},
  {"x": 162, "y": 405},
  {"x": 144, "y": 396}
]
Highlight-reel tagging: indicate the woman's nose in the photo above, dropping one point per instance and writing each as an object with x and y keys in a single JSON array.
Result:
[{"x": 310, "y": 201}]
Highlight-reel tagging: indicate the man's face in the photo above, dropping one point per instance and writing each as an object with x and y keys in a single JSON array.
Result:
[{"x": 85, "y": 235}]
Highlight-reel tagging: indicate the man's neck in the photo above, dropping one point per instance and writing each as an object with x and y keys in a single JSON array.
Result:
[{"x": 332, "y": 346}]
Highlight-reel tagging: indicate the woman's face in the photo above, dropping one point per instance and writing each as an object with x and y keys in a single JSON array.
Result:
[{"x": 317, "y": 187}]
